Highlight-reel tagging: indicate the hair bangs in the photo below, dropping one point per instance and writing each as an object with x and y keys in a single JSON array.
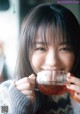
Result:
[
  {"x": 51, "y": 34},
  {"x": 49, "y": 30}
]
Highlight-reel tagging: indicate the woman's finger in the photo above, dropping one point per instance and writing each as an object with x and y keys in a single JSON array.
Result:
[
  {"x": 73, "y": 87},
  {"x": 74, "y": 80},
  {"x": 32, "y": 79},
  {"x": 24, "y": 80},
  {"x": 21, "y": 81},
  {"x": 28, "y": 92},
  {"x": 24, "y": 86},
  {"x": 76, "y": 96}
]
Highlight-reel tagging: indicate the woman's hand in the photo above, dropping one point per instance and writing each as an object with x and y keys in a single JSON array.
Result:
[
  {"x": 26, "y": 85},
  {"x": 74, "y": 87}
]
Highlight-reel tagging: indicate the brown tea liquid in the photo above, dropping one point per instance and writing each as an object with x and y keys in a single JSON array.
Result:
[{"x": 54, "y": 89}]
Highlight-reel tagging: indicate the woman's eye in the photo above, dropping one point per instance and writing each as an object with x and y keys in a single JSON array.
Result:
[
  {"x": 40, "y": 49},
  {"x": 66, "y": 49}
]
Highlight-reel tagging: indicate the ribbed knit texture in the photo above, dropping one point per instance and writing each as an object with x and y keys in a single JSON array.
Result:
[
  {"x": 20, "y": 104},
  {"x": 17, "y": 102}
]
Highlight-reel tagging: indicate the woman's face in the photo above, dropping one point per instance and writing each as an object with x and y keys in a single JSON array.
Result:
[{"x": 52, "y": 57}]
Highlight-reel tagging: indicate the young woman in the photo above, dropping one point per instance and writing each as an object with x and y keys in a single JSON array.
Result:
[{"x": 50, "y": 40}]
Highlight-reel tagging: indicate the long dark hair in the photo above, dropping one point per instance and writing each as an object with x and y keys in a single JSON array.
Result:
[{"x": 61, "y": 21}]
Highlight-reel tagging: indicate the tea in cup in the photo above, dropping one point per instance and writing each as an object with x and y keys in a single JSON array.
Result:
[{"x": 52, "y": 82}]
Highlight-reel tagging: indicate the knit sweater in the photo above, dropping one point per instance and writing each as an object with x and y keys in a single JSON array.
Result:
[{"x": 12, "y": 101}]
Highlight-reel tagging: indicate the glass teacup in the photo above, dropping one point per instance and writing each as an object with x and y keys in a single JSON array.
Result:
[{"x": 52, "y": 82}]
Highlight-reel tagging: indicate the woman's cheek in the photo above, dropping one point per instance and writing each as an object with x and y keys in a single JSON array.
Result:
[
  {"x": 37, "y": 61},
  {"x": 68, "y": 61}
]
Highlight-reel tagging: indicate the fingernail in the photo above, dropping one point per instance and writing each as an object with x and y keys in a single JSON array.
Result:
[{"x": 70, "y": 75}]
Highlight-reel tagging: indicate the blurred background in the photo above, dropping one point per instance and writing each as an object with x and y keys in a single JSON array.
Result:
[{"x": 12, "y": 13}]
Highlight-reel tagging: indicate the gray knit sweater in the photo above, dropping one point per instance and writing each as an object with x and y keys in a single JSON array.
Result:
[{"x": 12, "y": 101}]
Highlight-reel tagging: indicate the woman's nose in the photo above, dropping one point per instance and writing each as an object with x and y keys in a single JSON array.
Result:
[{"x": 52, "y": 59}]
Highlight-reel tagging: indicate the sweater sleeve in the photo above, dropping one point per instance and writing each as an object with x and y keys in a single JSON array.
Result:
[
  {"x": 12, "y": 101},
  {"x": 75, "y": 106},
  {"x": 19, "y": 102}
]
